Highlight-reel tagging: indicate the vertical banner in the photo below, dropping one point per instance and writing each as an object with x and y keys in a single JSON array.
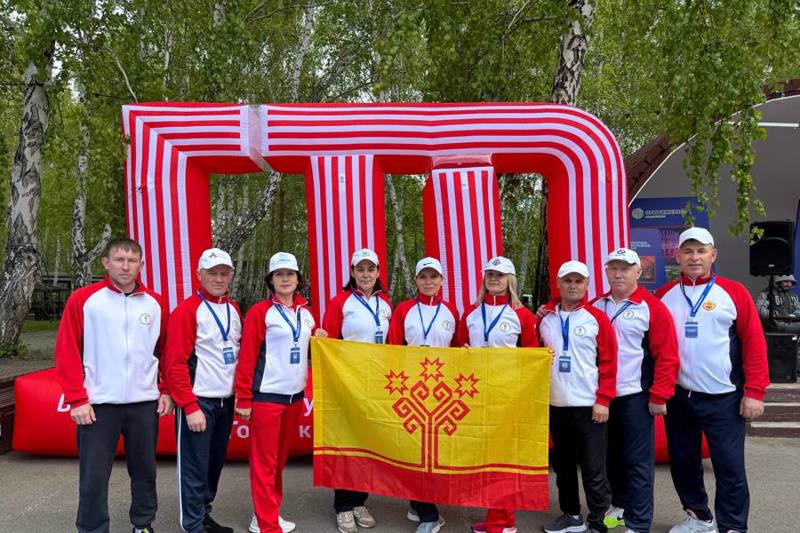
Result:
[
  {"x": 346, "y": 212},
  {"x": 667, "y": 216},
  {"x": 647, "y": 243},
  {"x": 461, "y": 213}
]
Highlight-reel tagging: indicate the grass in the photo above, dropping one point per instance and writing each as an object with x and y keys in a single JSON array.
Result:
[{"x": 32, "y": 326}]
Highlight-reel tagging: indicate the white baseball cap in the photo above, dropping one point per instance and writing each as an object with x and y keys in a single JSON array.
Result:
[
  {"x": 429, "y": 262},
  {"x": 573, "y": 267},
  {"x": 364, "y": 254},
  {"x": 624, "y": 254},
  {"x": 500, "y": 264},
  {"x": 214, "y": 257},
  {"x": 701, "y": 235},
  {"x": 283, "y": 260}
]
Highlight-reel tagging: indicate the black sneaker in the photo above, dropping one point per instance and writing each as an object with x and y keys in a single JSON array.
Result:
[
  {"x": 566, "y": 523},
  {"x": 210, "y": 526}
]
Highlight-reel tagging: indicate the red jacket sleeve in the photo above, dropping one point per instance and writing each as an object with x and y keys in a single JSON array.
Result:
[
  {"x": 529, "y": 337},
  {"x": 461, "y": 338},
  {"x": 163, "y": 384},
  {"x": 253, "y": 334},
  {"x": 606, "y": 358},
  {"x": 69, "y": 350},
  {"x": 454, "y": 310},
  {"x": 332, "y": 321},
  {"x": 664, "y": 349},
  {"x": 397, "y": 325},
  {"x": 181, "y": 338},
  {"x": 752, "y": 340}
]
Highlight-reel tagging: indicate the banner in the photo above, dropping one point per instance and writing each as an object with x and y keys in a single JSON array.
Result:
[
  {"x": 667, "y": 215},
  {"x": 647, "y": 243},
  {"x": 453, "y": 426}
]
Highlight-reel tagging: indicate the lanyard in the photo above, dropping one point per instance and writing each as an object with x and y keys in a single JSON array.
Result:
[
  {"x": 375, "y": 314},
  {"x": 295, "y": 329},
  {"x": 224, "y": 331},
  {"x": 694, "y": 308},
  {"x": 427, "y": 330},
  {"x": 619, "y": 311},
  {"x": 564, "y": 331},
  {"x": 494, "y": 322}
]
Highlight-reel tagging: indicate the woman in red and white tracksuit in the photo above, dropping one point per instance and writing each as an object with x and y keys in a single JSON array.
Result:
[
  {"x": 497, "y": 319},
  {"x": 270, "y": 381},
  {"x": 425, "y": 320},
  {"x": 361, "y": 312}
]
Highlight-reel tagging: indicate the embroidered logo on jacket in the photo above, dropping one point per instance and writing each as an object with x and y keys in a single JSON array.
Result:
[
  {"x": 145, "y": 319},
  {"x": 709, "y": 306}
]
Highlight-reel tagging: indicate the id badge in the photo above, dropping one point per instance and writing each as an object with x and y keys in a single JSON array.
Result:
[
  {"x": 294, "y": 355},
  {"x": 564, "y": 364},
  {"x": 379, "y": 337},
  {"x": 228, "y": 356},
  {"x": 690, "y": 330}
]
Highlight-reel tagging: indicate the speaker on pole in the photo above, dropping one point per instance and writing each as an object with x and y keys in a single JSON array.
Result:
[
  {"x": 773, "y": 253},
  {"x": 782, "y": 357}
]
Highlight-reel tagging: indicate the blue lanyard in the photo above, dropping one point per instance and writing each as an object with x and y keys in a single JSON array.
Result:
[
  {"x": 494, "y": 322},
  {"x": 564, "y": 331},
  {"x": 619, "y": 311},
  {"x": 295, "y": 329},
  {"x": 694, "y": 308},
  {"x": 427, "y": 330},
  {"x": 224, "y": 331},
  {"x": 375, "y": 314}
]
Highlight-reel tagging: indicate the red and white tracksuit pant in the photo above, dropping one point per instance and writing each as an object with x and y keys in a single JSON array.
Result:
[{"x": 272, "y": 426}]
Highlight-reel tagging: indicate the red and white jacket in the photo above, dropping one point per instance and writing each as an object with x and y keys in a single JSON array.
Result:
[
  {"x": 195, "y": 365},
  {"x": 593, "y": 357},
  {"x": 407, "y": 327},
  {"x": 647, "y": 350},
  {"x": 730, "y": 351},
  {"x": 108, "y": 345},
  {"x": 265, "y": 372},
  {"x": 347, "y": 318},
  {"x": 515, "y": 328}
]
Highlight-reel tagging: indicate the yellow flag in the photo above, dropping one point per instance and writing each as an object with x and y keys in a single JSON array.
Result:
[{"x": 445, "y": 425}]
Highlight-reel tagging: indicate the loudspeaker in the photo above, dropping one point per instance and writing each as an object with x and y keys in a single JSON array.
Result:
[
  {"x": 782, "y": 357},
  {"x": 773, "y": 253}
]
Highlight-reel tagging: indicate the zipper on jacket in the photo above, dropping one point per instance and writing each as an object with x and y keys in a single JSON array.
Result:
[{"x": 127, "y": 347}]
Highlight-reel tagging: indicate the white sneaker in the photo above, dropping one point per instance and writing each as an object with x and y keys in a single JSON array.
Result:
[
  {"x": 363, "y": 517},
  {"x": 414, "y": 517},
  {"x": 346, "y": 523},
  {"x": 693, "y": 525},
  {"x": 286, "y": 526}
]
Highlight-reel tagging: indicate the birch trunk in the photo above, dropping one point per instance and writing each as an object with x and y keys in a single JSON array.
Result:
[
  {"x": 572, "y": 55},
  {"x": 400, "y": 247},
  {"x": 22, "y": 264},
  {"x": 81, "y": 259}
]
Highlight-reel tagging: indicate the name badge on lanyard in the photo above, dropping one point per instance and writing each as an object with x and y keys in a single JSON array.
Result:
[
  {"x": 228, "y": 355},
  {"x": 427, "y": 330},
  {"x": 488, "y": 330},
  {"x": 294, "y": 351},
  {"x": 564, "y": 360},
  {"x": 375, "y": 315},
  {"x": 691, "y": 328}
]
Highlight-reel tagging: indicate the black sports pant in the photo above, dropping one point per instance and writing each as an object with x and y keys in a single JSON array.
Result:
[
  {"x": 578, "y": 440},
  {"x": 97, "y": 444}
]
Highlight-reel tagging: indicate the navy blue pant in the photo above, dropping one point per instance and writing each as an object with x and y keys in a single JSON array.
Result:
[
  {"x": 689, "y": 415},
  {"x": 631, "y": 459},
  {"x": 201, "y": 456},
  {"x": 345, "y": 499},
  {"x": 97, "y": 445}
]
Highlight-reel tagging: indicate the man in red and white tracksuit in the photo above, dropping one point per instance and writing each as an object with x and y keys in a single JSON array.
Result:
[
  {"x": 107, "y": 356},
  {"x": 722, "y": 382},
  {"x": 647, "y": 367},
  {"x": 202, "y": 350},
  {"x": 583, "y": 382}
]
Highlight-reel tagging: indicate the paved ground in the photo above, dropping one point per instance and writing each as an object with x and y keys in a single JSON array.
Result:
[{"x": 39, "y": 495}]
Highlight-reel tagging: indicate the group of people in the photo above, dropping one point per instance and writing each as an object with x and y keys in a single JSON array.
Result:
[{"x": 695, "y": 352}]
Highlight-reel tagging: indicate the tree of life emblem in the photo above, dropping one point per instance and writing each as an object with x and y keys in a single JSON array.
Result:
[{"x": 431, "y": 405}]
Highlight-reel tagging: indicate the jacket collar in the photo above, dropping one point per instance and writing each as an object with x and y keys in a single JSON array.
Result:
[
  {"x": 702, "y": 280},
  {"x": 213, "y": 299},
  {"x": 298, "y": 301},
  {"x": 361, "y": 293},
  {"x": 636, "y": 298},
  {"x": 137, "y": 288},
  {"x": 553, "y": 304},
  {"x": 429, "y": 300},
  {"x": 488, "y": 299}
]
